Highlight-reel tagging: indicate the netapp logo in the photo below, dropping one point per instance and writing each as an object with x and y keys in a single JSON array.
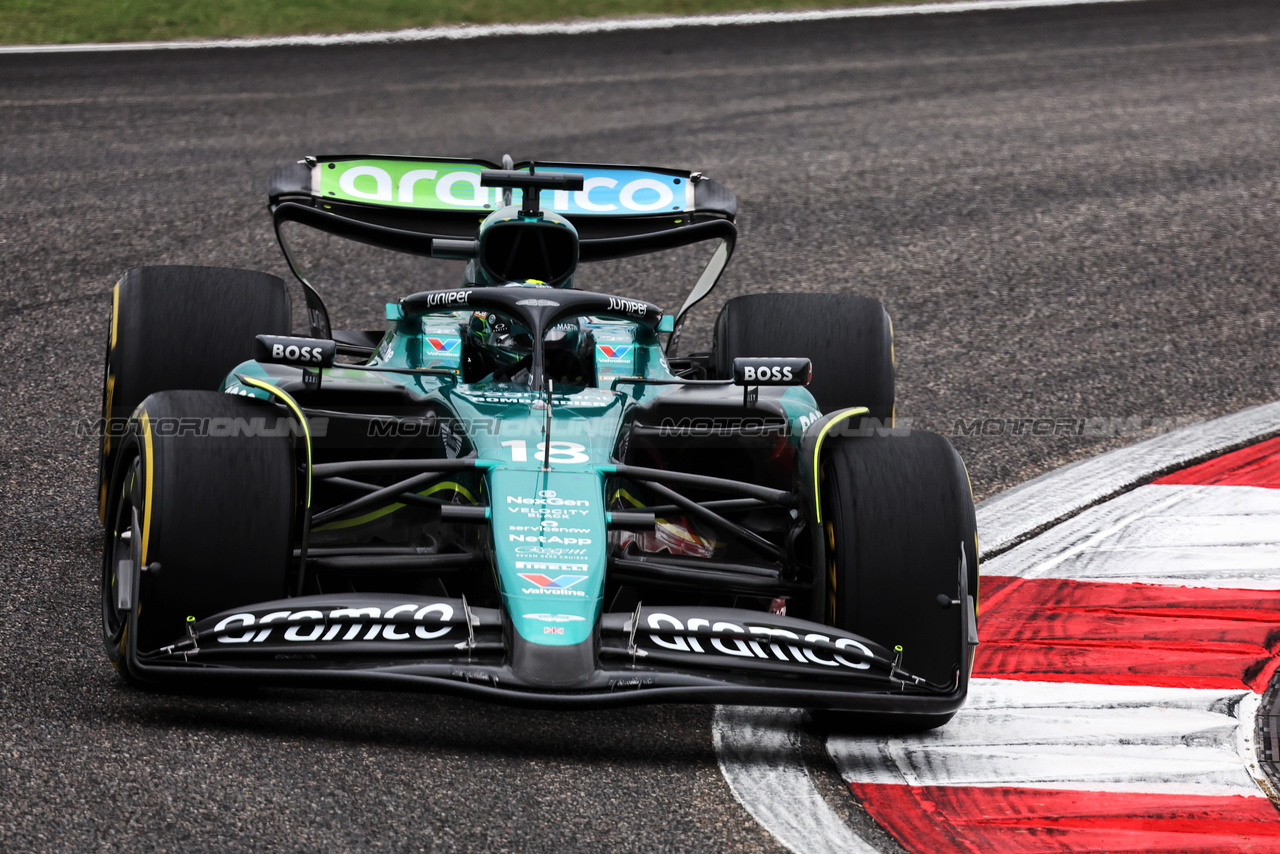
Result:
[
  {"x": 562, "y": 541},
  {"x": 317, "y": 626}
]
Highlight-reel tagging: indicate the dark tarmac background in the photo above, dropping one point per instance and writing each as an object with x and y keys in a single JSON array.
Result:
[{"x": 1070, "y": 213}]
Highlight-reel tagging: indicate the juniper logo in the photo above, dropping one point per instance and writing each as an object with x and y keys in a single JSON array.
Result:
[
  {"x": 431, "y": 300},
  {"x": 630, "y": 306}
]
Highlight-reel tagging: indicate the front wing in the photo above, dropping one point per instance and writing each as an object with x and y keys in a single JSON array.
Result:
[{"x": 651, "y": 655}]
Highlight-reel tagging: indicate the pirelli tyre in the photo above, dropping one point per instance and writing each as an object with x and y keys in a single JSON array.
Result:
[
  {"x": 200, "y": 517},
  {"x": 848, "y": 338},
  {"x": 898, "y": 514},
  {"x": 180, "y": 328}
]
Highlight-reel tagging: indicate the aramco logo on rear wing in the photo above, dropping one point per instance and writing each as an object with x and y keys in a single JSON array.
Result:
[{"x": 456, "y": 186}]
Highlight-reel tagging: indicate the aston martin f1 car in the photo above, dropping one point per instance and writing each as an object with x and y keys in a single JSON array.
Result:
[{"x": 518, "y": 490}]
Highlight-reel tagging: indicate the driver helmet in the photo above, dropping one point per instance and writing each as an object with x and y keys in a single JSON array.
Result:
[{"x": 507, "y": 342}]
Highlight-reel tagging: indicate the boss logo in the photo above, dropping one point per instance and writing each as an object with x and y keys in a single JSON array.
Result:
[
  {"x": 752, "y": 373},
  {"x": 312, "y": 352},
  {"x": 771, "y": 371},
  {"x": 294, "y": 353}
]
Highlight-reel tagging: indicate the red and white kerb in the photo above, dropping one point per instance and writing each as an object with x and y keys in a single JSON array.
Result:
[{"x": 1123, "y": 654}]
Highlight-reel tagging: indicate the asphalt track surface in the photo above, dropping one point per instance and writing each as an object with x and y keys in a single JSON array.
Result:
[{"x": 1071, "y": 214}]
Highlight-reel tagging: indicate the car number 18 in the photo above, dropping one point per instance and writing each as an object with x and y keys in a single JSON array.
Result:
[{"x": 561, "y": 452}]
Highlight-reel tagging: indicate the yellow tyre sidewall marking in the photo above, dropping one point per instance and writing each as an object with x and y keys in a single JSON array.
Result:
[
  {"x": 106, "y": 404},
  {"x": 817, "y": 453},
  {"x": 150, "y": 479}
]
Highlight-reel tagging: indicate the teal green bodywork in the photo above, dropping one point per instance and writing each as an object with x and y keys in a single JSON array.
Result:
[{"x": 548, "y": 524}]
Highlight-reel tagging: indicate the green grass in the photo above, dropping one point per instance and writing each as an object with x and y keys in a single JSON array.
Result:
[{"x": 74, "y": 21}]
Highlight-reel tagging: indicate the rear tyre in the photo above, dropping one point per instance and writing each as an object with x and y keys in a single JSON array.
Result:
[
  {"x": 180, "y": 328},
  {"x": 897, "y": 513},
  {"x": 848, "y": 338},
  {"x": 211, "y": 506}
]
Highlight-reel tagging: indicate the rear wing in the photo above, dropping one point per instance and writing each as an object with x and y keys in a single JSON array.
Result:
[{"x": 406, "y": 203}]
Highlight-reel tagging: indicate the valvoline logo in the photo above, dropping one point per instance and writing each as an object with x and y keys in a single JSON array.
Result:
[
  {"x": 560, "y": 582},
  {"x": 614, "y": 351},
  {"x": 444, "y": 345}
]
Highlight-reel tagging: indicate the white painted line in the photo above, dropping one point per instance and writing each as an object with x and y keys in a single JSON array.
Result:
[
  {"x": 1015, "y": 515},
  {"x": 1196, "y": 536},
  {"x": 1102, "y": 738},
  {"x": 563, "y": 28},
  {"x": 759, "y": 754}
]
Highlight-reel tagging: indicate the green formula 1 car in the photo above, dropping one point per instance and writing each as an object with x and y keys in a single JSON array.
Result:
[{"x": 516, "y": 490}]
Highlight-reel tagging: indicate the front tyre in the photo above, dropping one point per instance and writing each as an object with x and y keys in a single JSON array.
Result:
[
  {"x": 898, "y": 514},
  {"x": 200, "y": 516}
]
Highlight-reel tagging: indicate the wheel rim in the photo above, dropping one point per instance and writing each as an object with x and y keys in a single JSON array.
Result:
[{"x": 120, "y": 570}]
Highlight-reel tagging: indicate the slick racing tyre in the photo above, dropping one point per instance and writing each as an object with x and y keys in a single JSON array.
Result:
[
  {"x": 180, "y": 328},
  {"x": 848, "y": 338},
  {"x": 200, "y": 516},
  {"x": 897, "y": 514}
]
